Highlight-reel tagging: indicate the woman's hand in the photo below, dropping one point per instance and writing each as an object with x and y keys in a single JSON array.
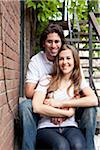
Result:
[{"x": 58, "y": 120}]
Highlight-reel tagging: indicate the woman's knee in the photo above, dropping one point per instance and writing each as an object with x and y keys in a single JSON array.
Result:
[
  {"x": 62, "y": 145},
  {"x": 78, "y": 144}
]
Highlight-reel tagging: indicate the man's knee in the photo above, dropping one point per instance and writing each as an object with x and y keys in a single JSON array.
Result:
[
  {"x": 89, "y": 115},
  {"x": 86, "y": 114},
  {"x": 24, "y": 105}
]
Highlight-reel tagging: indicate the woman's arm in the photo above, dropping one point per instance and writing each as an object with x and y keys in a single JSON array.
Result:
[
  {"x": 39, "y": 107},
  {"x": 59, "y": 120},
  {"x": 88, "y": 100}
]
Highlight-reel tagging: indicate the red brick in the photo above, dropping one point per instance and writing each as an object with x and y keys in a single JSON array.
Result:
[
  {"x": 0, "y": 33},
  {"x": 10, "y": 48},
  {"x": 1, "y": 74},
  {"x": 3, "y": 99},
  {"x": 10, "y": 74},
  {"x": 0, "y": 46},
  {"x": 6, "y": 133},
  {"x": 8, "y": 63},
  {"x": 1, "y": 60},
  {"x": 2, "y": 86}
]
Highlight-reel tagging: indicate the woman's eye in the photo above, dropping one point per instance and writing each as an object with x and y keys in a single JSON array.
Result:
[
  {"x": 60, "y": 58},
  {"x": 68, "y": 57}
]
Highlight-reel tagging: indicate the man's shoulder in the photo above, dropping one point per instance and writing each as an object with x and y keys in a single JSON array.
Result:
[{"x": 38, "y": 56}]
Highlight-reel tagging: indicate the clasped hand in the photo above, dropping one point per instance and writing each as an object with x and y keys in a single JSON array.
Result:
[{"x": 54, "y": 103}]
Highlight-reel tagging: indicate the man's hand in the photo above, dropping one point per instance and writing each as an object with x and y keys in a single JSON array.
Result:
[
  {"x": 52, "y": 102},
  {"x": 47, "y": 101}
]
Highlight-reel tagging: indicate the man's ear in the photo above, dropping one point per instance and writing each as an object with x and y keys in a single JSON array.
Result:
[{"x": 43, "y": 45}]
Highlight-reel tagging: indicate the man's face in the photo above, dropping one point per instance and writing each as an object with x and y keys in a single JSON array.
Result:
[{"x": 52, "y": 45}]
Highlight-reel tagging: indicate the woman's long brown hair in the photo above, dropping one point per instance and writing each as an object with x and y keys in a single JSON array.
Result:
[{"x": 57, "y": 74}]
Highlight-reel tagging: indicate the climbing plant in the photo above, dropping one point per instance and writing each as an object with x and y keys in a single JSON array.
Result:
[{"x": 46, "y": 10}]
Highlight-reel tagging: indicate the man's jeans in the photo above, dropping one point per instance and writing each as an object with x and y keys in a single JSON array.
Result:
[
  {"x": 87, "y": 123},
  {"x": 28, "y": 124},
  {"x": 28, "y": 121}
]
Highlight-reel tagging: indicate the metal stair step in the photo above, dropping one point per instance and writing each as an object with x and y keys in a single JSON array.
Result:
[
  {"x": 76, "y": 40},
  {"x": 88, "y": 57},
  {"x": 87, "y": 49}
]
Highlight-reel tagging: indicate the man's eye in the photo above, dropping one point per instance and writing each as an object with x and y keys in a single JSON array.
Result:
[
  {"x": 57, "y": 41},
  {"x": 49, "y": 41}
]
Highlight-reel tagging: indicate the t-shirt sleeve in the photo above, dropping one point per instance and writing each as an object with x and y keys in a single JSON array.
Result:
[
  {"x": 82, "y": 74},
  {"x": 32, "y": 75},
  {"x": 84, "y": 84},
  {"x": 43, "y": 84}
]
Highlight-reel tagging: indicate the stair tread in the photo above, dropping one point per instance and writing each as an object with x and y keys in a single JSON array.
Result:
[
  {"x": 74, "y": 40},
  {"x": 92, "y": 67},
  {"x": 84, "y": 57},
  {"x": 87, "y": 49},
  {"x": 84, "y": 33}
]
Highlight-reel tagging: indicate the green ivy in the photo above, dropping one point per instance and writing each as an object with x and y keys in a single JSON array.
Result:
[{"x": 45, "y": 9}]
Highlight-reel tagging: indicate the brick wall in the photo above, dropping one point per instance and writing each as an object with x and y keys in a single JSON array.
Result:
[{"x": 9, "y": 59}]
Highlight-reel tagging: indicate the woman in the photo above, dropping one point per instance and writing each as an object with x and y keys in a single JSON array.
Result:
[{"x": 65, "y": 83}]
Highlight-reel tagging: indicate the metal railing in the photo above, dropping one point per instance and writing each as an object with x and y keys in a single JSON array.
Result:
[{"x": 93, "y": 24}]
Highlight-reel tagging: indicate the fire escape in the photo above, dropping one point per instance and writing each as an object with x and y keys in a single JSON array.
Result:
[{"x": 88, "y": 45}]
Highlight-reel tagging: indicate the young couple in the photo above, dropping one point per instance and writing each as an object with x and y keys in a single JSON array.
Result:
[{"x": 54, "y": 82}]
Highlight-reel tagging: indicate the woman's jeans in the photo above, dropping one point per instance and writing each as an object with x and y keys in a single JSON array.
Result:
[
  {"x": 67, "y": 138},
  {"x": 28, "y": 121}
]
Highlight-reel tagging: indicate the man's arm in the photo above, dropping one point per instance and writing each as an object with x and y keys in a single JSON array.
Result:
[
  {"x": 29, "y": 90},
  {"x": 40, "y": 108},
  {"x": 88, "y": 100}
]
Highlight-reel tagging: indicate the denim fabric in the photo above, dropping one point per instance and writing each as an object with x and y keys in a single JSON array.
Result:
[
  {"x": 28, "y": 123},
  {"x": 67, "y": 138},
  {"x": 87, "y": 124}
]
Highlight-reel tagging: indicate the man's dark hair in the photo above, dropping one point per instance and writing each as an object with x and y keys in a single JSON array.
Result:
[{"x": 51, "y": 28}]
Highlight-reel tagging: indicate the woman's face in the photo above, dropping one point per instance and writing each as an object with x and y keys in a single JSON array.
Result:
[{"x": 66, "y": 62}]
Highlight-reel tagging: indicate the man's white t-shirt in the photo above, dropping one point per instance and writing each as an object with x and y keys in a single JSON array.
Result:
[{"x": 38, "y": 67}]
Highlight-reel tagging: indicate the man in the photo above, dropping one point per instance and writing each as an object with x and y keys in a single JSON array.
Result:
[{"x": 50, "y": 42}]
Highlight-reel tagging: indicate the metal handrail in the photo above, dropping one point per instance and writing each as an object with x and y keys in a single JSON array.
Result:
[
  {"x": 92, "y": 23},
  {"x": 71, "y": 28},
  {"x": 93, "y": 86},
  {"x": 95, "y": 23},
  {"x": 78, "y": 26}
]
